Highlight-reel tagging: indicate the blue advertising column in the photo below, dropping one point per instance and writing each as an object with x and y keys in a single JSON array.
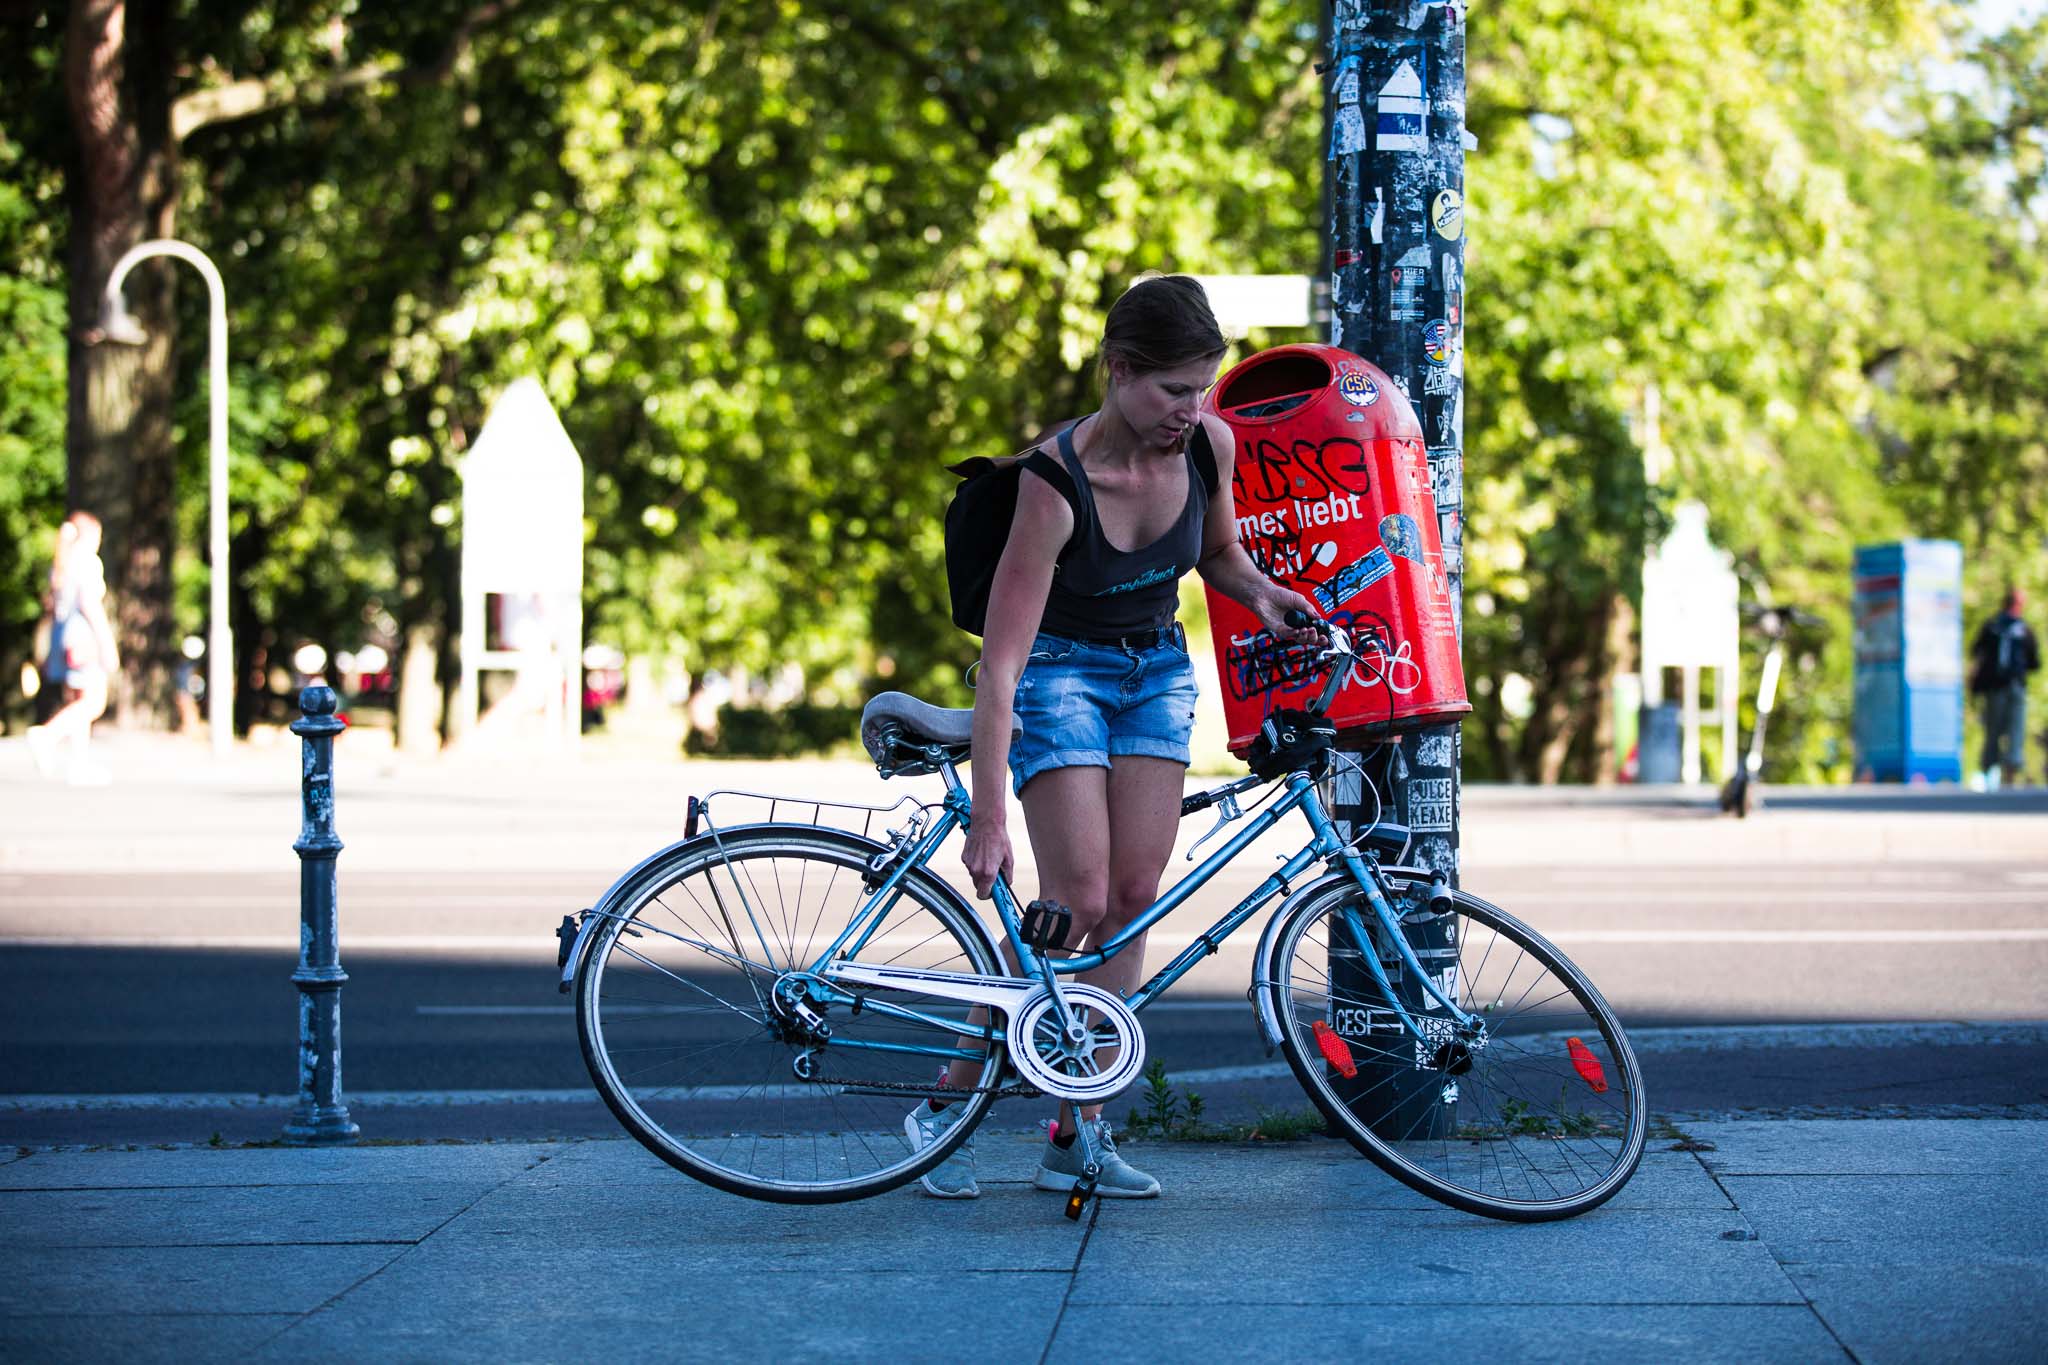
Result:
[{"x": 1908, "y": 608}]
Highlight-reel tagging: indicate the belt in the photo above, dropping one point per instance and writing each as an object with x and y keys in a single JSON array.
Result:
[{"x": 1137, "y": 639}]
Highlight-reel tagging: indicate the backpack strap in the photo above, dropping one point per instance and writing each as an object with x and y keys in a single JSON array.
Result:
[{"x": 1204, "y": 456}]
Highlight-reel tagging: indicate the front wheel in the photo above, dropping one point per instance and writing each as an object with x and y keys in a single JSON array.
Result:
[
  {"x": 1536, "y": 1114},
  {"x": 710, "y": 1042}
]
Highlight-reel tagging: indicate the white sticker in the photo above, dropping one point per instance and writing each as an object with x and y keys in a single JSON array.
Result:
[
  {"x": 1403, "y": 112},
  {"x": 1410, "y": 277}
]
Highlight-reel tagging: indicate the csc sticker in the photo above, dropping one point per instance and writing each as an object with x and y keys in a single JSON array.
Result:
[
  {"x": 1357, "y": 387},
  {"x": 1447, "y": 214}
]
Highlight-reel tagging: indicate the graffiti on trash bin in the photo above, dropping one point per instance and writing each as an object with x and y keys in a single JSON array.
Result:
[{"x": 1268, "y": 471}]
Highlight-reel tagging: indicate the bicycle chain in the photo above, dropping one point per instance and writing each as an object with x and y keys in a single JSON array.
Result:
[{"x": 1017, "y": 1091}]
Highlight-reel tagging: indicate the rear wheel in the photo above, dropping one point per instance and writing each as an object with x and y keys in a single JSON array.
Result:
[
  {"x": 706, "y": 1041},
  {"x": 1537, "y": 1115}
]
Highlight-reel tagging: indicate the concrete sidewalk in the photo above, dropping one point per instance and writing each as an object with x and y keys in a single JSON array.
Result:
[{"x": 1873, "y": 1241}]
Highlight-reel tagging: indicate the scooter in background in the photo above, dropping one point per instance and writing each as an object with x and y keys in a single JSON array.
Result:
[{"x": 1743, "y": 792}]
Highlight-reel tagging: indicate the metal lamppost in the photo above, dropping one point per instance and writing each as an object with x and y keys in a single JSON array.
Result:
[{"x": 117, "y": 324}]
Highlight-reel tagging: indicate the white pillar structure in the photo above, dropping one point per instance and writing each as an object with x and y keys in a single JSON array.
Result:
[
  {"x": 522, "y": 568},
  {"x": 1690, "y": 622}
]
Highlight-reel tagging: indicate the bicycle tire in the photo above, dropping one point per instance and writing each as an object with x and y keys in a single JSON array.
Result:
[
  {"x": 1481, "y": 1139},
  {"x": 677, "y": 976}
]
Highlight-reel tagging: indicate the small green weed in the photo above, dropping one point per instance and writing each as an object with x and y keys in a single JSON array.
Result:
[{"x": 1173, "y": 1115}]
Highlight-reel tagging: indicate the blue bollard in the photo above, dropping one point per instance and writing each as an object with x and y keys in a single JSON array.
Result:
[{"x": 321, "y": 1118}]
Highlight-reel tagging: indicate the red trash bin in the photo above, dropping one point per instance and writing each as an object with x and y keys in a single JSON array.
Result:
[{"x": 1333, "y": 499}]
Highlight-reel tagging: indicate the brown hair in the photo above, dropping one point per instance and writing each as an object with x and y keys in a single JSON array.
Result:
[{"x": 1161, "y": 323}]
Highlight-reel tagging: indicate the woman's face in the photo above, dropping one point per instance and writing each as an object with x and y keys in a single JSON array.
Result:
[{"x": 1163, "y": 405}]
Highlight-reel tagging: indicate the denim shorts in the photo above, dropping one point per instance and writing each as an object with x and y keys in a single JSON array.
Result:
[{"x": 1079, "y": 704}]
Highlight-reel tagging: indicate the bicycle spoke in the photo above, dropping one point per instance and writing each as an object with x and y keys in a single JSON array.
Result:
[
  {"x": 1534, "y": 1114},
  {"x": 728, "y": 1061}
]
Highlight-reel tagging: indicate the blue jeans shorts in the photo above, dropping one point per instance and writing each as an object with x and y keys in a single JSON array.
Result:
[{"x": 1080, "y": 703}]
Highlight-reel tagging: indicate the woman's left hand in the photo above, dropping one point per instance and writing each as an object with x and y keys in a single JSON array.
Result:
[{"x": 1272, "y": 610}]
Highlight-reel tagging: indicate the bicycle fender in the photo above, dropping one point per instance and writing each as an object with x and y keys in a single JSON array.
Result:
[{"x": 1265, "y": 1002}]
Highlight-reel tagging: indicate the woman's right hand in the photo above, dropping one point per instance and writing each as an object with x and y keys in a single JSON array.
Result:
[{"x": 988, "y": 856}]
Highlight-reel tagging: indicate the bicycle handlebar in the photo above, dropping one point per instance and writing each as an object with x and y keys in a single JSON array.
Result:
[{"x": 1339, "y": 649}]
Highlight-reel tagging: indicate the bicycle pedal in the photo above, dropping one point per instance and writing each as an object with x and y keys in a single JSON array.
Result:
[
  {"x": 1077, "y": 1200},
  {"x": 1046, "y": 924}
]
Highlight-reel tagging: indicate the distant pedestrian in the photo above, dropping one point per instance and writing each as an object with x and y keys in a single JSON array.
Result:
[
  {"x": 2002, "y": 656},
  {"x": 80, "y": 657}
]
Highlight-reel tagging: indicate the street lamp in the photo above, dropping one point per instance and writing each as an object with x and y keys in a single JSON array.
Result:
[{"x": 116, "y": 324}]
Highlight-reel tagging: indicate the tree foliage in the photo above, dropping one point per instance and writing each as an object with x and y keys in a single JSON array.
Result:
[{"x": 777, "y": 263}]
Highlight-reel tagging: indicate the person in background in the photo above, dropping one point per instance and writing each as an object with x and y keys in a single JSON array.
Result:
[
  {"x": 80, "y": 658},
  {"x": 2002, "y": 656}
]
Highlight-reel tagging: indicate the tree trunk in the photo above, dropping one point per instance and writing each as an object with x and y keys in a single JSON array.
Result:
[
  {"x": 1621, "y": 630},
  {"x": 120, "y": 462}
]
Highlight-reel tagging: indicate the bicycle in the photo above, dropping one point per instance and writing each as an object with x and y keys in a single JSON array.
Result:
[{"x": 757, "y": 1003}]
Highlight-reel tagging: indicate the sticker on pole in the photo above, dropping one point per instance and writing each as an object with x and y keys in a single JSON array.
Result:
[
  {"x": 1403, "y": 124},
  {"x": 1447, "y": 214},
  {"x": 1436, "y": 341}
]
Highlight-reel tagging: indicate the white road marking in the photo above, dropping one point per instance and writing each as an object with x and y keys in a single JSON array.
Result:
[
  {"x": 1851, "y": 936},
  {"x": 538, "y": 945}
]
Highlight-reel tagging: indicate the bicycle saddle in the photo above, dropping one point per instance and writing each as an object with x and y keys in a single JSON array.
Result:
[{"x": 898, "y": 717}]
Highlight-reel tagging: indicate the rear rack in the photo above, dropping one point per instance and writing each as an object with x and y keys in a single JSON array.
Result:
[{"x": 850, "y": 817}]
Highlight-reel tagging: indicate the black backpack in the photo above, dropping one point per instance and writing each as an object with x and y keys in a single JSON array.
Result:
[{"x": 983, "y": 506}]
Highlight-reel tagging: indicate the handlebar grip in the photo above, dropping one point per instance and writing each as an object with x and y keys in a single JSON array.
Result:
[{"x": 1298, "y": 619}]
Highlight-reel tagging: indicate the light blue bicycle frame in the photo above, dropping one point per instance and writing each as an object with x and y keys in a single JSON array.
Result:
[{"x": 1324, "y": 846}]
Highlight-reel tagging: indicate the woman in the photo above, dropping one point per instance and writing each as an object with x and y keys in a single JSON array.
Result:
[
  {"x": 1083, "y": 650},
  {"x": 81, "y": 657}
]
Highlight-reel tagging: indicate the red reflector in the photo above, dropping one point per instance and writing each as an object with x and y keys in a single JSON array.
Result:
[
  {"x": 1587, "y": 1065},
  {"x": 1337, "y": 1052}
]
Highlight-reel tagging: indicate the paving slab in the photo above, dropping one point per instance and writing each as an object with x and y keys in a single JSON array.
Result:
[
  {"x": 1895, "y": 1220},
  {"x": 1870, "y": 1147},
  {"x": 1528, "y": 1335},
  {"x": 1320, "y": 1256},
  {"x": 190, "y": 1215},
  {"x": 196, "y": 1166},
  {"x": 1966, "y": 1312},
  {"x": 94, "y": 1338},
  {"x": 93, "y": 1280},
  {"x": 1247, "y": 1175},
  {"x": 1010, "y": 1228},
  {"x": 531, "y": 1304}
]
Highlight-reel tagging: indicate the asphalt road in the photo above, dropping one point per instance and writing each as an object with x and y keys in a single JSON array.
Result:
[{"x": 1748, "y": 987}]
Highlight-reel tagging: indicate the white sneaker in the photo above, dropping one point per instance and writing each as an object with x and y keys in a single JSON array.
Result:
[{"x": 952, "y": 1178}]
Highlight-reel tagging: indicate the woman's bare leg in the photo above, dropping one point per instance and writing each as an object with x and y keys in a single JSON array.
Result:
[{"x": 1066, "y": 811}]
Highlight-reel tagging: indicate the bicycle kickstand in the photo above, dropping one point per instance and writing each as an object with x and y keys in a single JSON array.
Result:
[
  {"x": 1084, "y": 1189},
  {"x": 1091, "y": 1171}
]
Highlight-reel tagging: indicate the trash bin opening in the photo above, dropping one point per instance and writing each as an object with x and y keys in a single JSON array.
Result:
[
  {"x": 1280, "y": 385},
  {"x": 1270, "y": 407}
]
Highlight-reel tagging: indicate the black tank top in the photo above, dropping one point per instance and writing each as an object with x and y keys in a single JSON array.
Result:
[{"x": 1100, "y": 592}]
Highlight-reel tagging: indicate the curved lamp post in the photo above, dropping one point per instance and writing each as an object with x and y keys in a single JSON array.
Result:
[{"x": 116, "y": 324}]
